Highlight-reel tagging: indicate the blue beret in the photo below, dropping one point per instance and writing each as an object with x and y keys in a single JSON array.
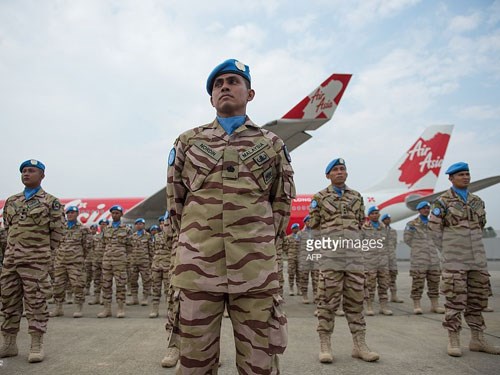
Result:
[
  {"x": 307, "y": 218},
  {"x": 333, "y": 163},
  {"x": 295, "y": 225},
  {"x": 423, "y": 204},
  {"x": 457, "y": 167},
  {"x": 117, "y": 208},
  {"x": 228, "y": 66},
  {"x": 372, "y": 208},
  {"x": 93, "y": 226},
  {"x": 72, "y": 209},
  {"x": 140, "y": 220},
  {"x": 385, "y": 216},
  {"x": 32, "y": 163},
  {"x": 154, "y": 227},
  {"x": 161, "y": 218},
  {"x": 104, "y": 221}
]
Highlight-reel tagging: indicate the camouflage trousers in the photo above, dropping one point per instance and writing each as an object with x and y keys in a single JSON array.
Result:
[
  {"x": 143, "y": 269},
  {"x": 377, "y": 279},
  {"x": 88, "y": 272},
  {"x": 69, "y": 276},
  {"x": 466, "y": 292},
  {"x": 418, "y": 281},
  {"x": 259, "y": 328},
  {"x": 337, "y": 286},
  {"x": 393, "y": 276},
  {"x": 28, "y": 282},
  {"x": 160, "y": 277},
  {"x": 304, "y": 282},
  {"x": 118, "y": 271},
  {"x": 97, "y": 276},
  {"x": 293, "y": 273}
]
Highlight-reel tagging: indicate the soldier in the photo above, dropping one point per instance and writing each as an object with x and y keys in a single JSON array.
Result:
[
  {"x": 34, "y": 221},
  {"x": 89, "y": 261},
  {"x": 307, "y": 267},
  {"x": 424, "y": 260},
  {"x": 140, "y": 263},
  {"x": 337, "y": 213},
  {"x": 230, "y": 186},
  {"x": 376, "y": 261},
  {"x": 117, "y": 242},
  {"x": 291, "y": 246},
  {"x": 160, "y": 268},
  {"x": 457, "y": 220},
  {"x": 392, "y": 242},
  {"x": 69, "y": 262},
  {"x": 97, "y": 254}
]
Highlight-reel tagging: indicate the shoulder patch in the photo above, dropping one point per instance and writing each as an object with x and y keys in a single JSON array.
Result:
[
  {"x": 314, "y": 203},
  {"x": 287, "y": 154},
  {"x": 56, "y": 205},
  {"x": 171, "y": 156},
  {"x": 436, "y": 211}
]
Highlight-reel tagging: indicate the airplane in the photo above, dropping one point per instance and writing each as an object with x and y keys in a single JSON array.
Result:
[{"x": 411, "y": 180}]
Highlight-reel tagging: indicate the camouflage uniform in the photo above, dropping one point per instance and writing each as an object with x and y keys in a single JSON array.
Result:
[
  {"x": 307, "y": 268},
  {"x": 233, "y": 194},
  {"x": 69, "y": 262},
  {"x": 3, "y": 245},
  {"x": 424, "y": 259},
  {"x": 392, "y": 242},
  {"x": 34, "y": 230},
  {"x": 139, "y": 261},
  {"x": 97, "y": 254},
  {"x": 291, "y": 246},
  {"x": 160, "y": 268},
  {"x": 88, "y": 269}
]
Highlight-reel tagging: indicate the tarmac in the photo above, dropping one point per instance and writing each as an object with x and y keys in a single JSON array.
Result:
[{"x": 407, "y": 343}]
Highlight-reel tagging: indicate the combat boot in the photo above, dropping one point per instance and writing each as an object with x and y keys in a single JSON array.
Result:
[
  {"x": 394, "y": 296},
  {"x": 454, "y": 344},
  {"x": 145, "y": 300},
  {"x": 340, "y": 312},
  {"x": 135, "y": 300},
  {"x": 106, "y": 312},
  {"x": 488, "y": 309},
  {"x": 305, "y": 300},
  {"x": 154, "y": 310},
  {"x": 384, "y": 309},
  {"x": 9, "y": 346},
  {"x": 171, "y": 357},
  {"x": 291, "y": 290},
  {"x": 416, "y": 307},
  {"x": 325, "y": 353},
  {"x": 69, "y": 298},
  {"x": 36, "y": 351},
  {"x": 435, "y": 308},
  {"x": 96, "y": 300},
  {"x": 58, "y": 311},
  {"x": 121, "y": 312},
  {"x": 479, "y": 344},
  {"x": 369, "y": 307},
  {"x": 361, "y": 350},
  {"x": 78, "y": 311}
]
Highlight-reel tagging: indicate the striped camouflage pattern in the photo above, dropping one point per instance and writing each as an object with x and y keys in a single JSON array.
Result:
[
  {"x": 139, "y": 262},
  {"x": 376, "y": 262},
  {"x": 308, "y": 268},
  {"x": 458, "y": 231},
  {"x": 234, "y": 195},
  {"x": 254, "y": 318},
  {"x": 69, "y": 262},
  {"x": 291, "y": 245},
  {"x": 391, "y": 242},
  {"x": 3, "y": 244},
  {"x": 97, "y": 254},
  {"x": 162, "y": 259},
  {"x": 279, "y": 260},
  {"x": 34, "y": 230}
]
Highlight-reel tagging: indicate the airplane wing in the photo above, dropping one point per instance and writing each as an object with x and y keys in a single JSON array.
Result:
[
  {"x": 311, "y": 112},
  {"x": 473, "y": 187}
]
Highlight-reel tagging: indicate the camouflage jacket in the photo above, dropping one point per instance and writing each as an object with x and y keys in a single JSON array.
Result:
[
  {"x": 117, "y": 244},
  {"x": 290, "y": 246},
  {"x": 391, "y": 242},
  {"x": 376, "y": 257},
  {"x": 229, "y": 197},
  {"x": 74, "y": 246},
  {"x": 457, "y": 228},
  {"x": 34, "y": 227},
  {"x": 162, "y": 245},
  {"x": 97, "y": 247},
  {"x": 142, "y": 249},
  {"x": 3, "y": 243},
  {"x": 424, "y": 252}
]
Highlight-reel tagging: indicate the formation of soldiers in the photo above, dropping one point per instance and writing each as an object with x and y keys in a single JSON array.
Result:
[{"x": 219, "y": 250}]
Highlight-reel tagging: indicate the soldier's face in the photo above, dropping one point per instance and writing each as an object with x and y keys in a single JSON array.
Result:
[
  {"x": 374, "y": 216},
  {"x": 116, "y": 215},
  {"x": 71, "y": 215},
  {"x": 102, "y": 226},
  {"x": 387, "y": 221},
  {"x": 230, "y": 95},
  {"x": 154, "y": 231},
  {"x": 338, "y": 175},
  {"x": 460, "y": 179},
  {"x": 425, "y": 211},
  {"x": 93, "y": 230},
  {"x": 295, "y": 230},
  {"x": 139, "y": 226},
  {"x": 32, "y": 177}
]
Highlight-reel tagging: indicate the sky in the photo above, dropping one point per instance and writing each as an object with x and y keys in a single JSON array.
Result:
[{"x": 99, "y": 89}]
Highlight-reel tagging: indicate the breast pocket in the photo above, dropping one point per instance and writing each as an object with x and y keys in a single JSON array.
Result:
[
  {"x": 39, "y": 215},
  {"x": 262, "y": 168},
  {"x": 196, "y": 169}
]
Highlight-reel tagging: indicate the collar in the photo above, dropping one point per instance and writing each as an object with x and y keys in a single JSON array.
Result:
[{"x": 30, "y": 192}]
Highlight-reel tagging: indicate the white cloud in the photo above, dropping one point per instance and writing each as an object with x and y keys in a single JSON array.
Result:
[{"x": 461, "y": 24}]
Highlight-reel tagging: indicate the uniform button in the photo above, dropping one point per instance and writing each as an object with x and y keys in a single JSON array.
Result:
[{"x": 230, "y": 169}]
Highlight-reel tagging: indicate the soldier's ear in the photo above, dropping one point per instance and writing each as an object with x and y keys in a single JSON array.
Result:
[
  {"x": 251, "y": 95},
  {"x": 212, "y": 102}
]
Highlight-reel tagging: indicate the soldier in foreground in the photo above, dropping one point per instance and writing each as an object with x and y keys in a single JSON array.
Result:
[
  {"x": 337, "y": 213},
  {"x": 457, "y": 220},
  {"x": 230, "y": 186},
  {"x": 391, "y": 242},
  {"x": 69, "y": 263},
  {"x": 424, "y": 260},
  {"x": 34, "y": 221}
]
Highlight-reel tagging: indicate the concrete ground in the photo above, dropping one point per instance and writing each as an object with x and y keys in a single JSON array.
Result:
[{"x": 407, "y": 344}]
